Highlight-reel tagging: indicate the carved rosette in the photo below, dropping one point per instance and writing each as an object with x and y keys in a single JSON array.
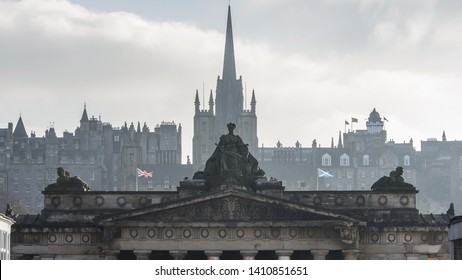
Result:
[
  {"x": 383, "y": 200},
  {"x": 404, "y": 200}
]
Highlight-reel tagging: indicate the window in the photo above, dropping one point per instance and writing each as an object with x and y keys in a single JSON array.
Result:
[
  {"x": 344, "y": 160},
  {"x": 458, "y": 249},
  {"x": 166, "y": 182},
  {"x": 366, "y": 160},
  {"x": 116, "y": 138},
  {"x": 326, "y": 160},
  {"x": 407, "y": 160}
]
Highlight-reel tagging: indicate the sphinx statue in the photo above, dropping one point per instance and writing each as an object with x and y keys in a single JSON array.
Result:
[
  {"x": 394, "y": 182},
  {"x": 66, "y": 183}
]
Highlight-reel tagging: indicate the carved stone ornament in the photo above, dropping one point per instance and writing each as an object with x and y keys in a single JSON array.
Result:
[
  {"x": 348, "y": 235},
  {"x": 230, "y": 208},
  {"x": 404, "y": 200},
  {"x": 99, "y": 200},
  {"x": 56, "y": 201},
  {"x": 360, "y": 200},
  {"x": 383, "y": 200},
  {"x": 121, "y": 201}
]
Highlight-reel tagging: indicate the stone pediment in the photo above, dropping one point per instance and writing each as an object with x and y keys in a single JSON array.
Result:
[{"x": 228, "y": 206}]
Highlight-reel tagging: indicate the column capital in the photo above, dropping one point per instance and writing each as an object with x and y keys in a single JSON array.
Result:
[
  {"x": 248, "y": 254},
  {"x": 284, "y": 254},
  {"x": 350, "y": 254},
  {"x": 142, "y": 254},
  {"x": 213, "y": 254},
  {"x": 319, "y": 254},
  {"x": 178, "y": 255}
]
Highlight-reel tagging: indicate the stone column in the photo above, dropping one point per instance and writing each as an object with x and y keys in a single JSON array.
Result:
[
  {"x": 351, "y": 254},
  {"x": 248, "y": 254},
  {"x": 111, "y": 254},
  {"x": 412, "y": 256},
  {"x": 142, "y": 254},
  {"x": 319, "y": 254},
  {"x": 213, "y": 255},
  {"x": 284, "y": 254},
  {"x": 178, "y": 255}
]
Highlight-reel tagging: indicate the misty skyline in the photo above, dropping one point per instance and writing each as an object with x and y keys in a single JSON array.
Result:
[{"x": 312, "y": 64}]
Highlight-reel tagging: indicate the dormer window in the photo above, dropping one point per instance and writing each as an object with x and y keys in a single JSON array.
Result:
[
  {"x": 344, "y": 160},
  {"x": 326, "y": 160}
]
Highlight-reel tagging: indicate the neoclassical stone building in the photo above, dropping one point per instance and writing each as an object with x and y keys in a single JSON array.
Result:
[
  {"x": 231, "y": 222},
  {"x": 5, "y": 236}
]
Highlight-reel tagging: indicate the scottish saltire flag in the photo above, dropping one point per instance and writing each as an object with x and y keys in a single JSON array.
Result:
[
  {"x": 143, "y": 173},
  {"x": 324, "y": 174}
]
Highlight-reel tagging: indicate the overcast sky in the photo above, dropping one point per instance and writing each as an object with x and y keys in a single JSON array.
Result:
[{"x": 312, "y": 64}]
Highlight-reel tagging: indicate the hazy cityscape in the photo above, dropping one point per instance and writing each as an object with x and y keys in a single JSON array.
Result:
[
  {"x": 125, "y": 99},
  {"x": 427, "y": 153}
]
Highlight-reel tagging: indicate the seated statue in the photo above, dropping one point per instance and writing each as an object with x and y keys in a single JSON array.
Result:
[
  {"x": 394, "y": 182},
  {"x": 65, "y": 182},
  {"x": 231, "y": 162}
]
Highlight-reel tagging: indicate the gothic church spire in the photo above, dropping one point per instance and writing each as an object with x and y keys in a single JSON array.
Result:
[{"x": 229, "y": 65}]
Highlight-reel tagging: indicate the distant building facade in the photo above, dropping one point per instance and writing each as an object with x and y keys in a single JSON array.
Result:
[
  {"x": 359, "y": 159},
  {"x": 106, "y": 157},
  {"x": 228, "y": 106},
  {"x": 440, "y": 166}
]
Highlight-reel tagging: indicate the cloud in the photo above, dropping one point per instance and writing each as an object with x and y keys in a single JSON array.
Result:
[{"x": 329, "y": 61}]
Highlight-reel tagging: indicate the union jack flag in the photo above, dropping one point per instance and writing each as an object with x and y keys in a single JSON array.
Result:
[{"x": 143, "y": 173}]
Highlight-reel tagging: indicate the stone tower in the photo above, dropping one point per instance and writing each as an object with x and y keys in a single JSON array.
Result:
[{"x": 229, "y": 103}]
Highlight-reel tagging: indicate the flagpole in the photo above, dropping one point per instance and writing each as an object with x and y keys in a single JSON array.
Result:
[
  {"x": 136, "y": 182},
  {"x": 317, "y": 181}
]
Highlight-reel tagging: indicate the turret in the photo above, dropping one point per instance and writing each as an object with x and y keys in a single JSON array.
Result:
[
  {"x": 20, "y": 130},
  {"x": 197, "y": 103},
  {"x": 84, "y": 121},
  {"x": 340, "y": 145},
  {"x": 253, "y": 103},
  {"x": 211, "y": 103}
]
